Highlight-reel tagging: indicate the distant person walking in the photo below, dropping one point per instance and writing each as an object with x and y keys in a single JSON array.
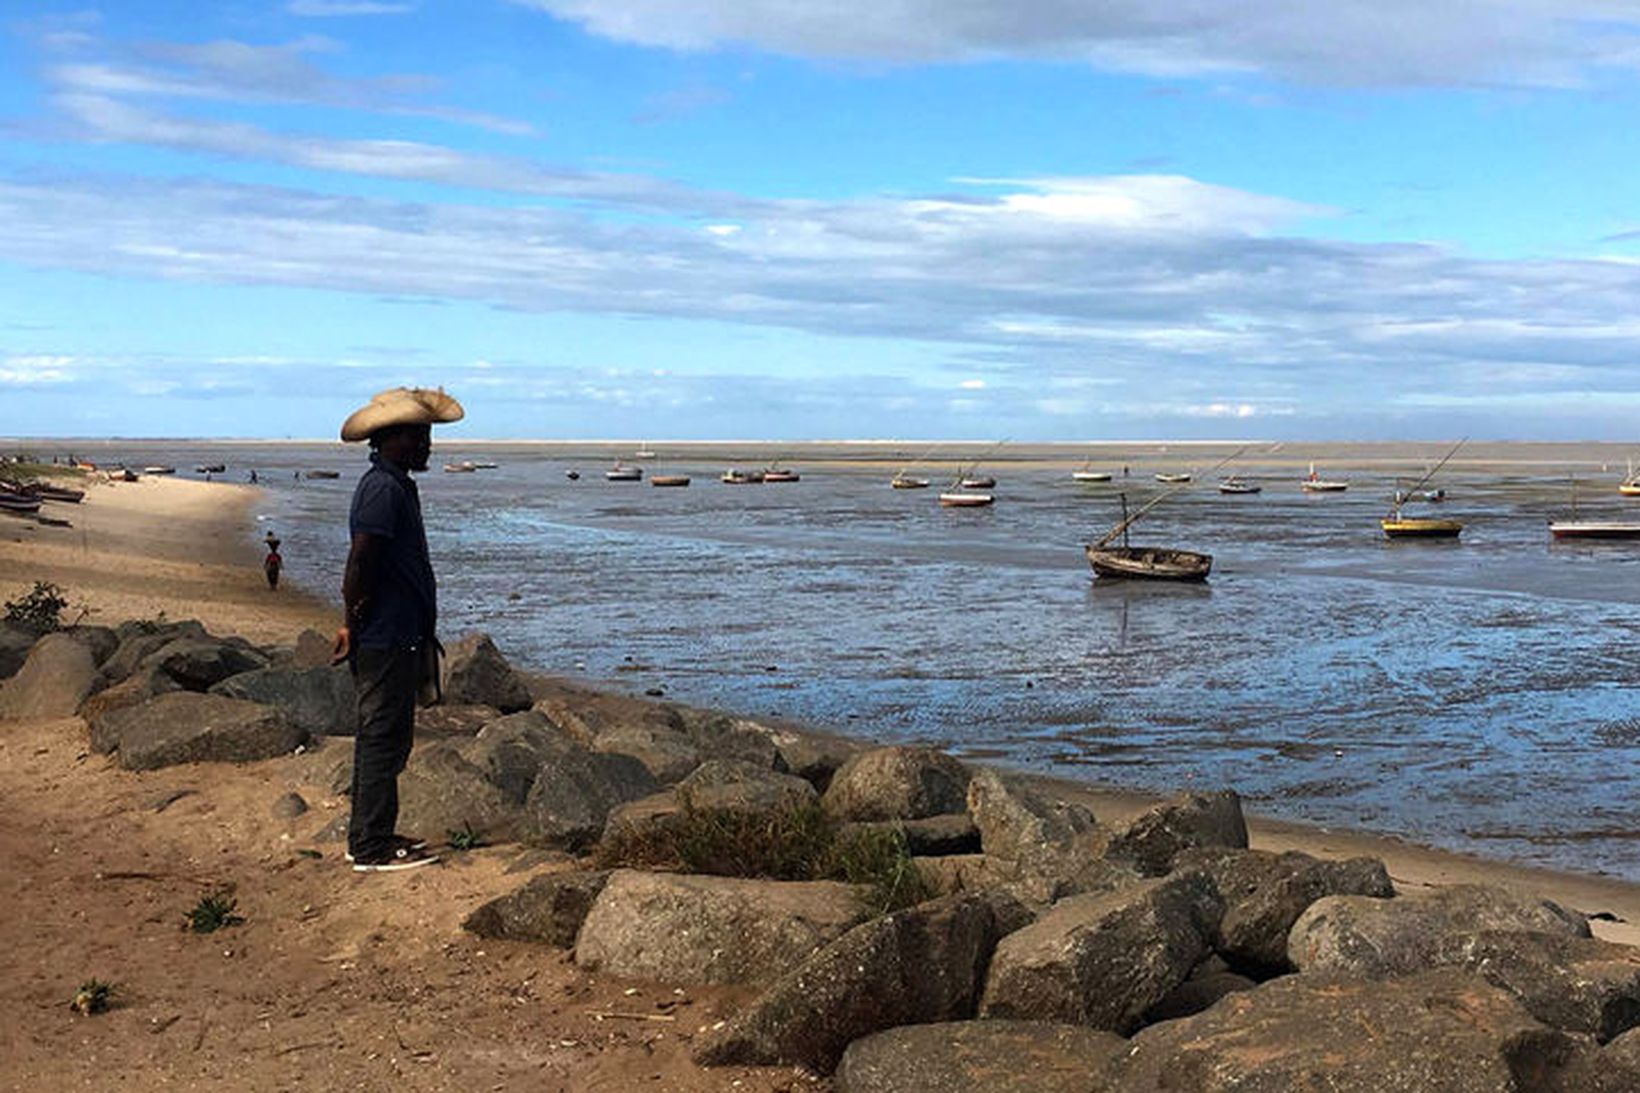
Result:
[
  {"x": 273, "y": 562},
  {"x": 391, "y": 604},
  {"x": 253, "y": 476}
]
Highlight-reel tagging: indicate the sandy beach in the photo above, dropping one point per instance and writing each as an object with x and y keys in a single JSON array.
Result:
[{"x": 336, "y": 980}]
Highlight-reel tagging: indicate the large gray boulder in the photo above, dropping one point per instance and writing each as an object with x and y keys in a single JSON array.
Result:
[
  {"x": 312, "y": 650},
  {"x": 718, "y": 736},
  {"x": 452, "y": 719},
  {"x": 1056, "y": 846},
  {"x": 1443, "y": 1032},
  {"x": 1157, "y": 837},
  {"x": 1378, "y": 938},
  {"x": 897, "y": 783},
  {"x": 549, "y": 909},
  {"x": 1104, "y": 959},
  {"x": 644, "y": 820},
  {"x": 672, "y": 928},
  {"x": 57, "y": 676},
  {"x": 101, "y": 640},
  {"x": 982, "y": 1057},
  {"x": 1577, "y": 984},
  {"x": 134, "y": 690},
  {"x": 15, "y": 642},
  {"x": 588, "y": 714},
  {"x": 1264, "y": 893},
  {"x": 441, "y": 792},
  {"x": 139, "y": 639},
  {"x": 569, "y": 803},
  {"x": 669, "y": 754},
  {"x": 475, "y": 673},
  {"x": 736, "y": 785},
  {"x": 512, "y": 750},
  {"x": 931, "y": 836},
  {"x": 915, "y": 966},
  {"x": 198, "y": 664},
  {"x": 321, "y": 700},
  {"x": 187, "y": 727}
]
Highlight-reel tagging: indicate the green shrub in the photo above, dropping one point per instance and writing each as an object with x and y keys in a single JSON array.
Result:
[
  {"x": 93, "y": 997},
  {"x": 212, "y": 913},
  {"x": 40, "y": 608}
]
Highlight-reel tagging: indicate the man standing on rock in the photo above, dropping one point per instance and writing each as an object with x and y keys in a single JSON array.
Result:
[{"x": 391, "y": 610}]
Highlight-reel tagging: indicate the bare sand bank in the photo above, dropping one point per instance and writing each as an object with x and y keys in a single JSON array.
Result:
[{"x": 336, "y": 980}]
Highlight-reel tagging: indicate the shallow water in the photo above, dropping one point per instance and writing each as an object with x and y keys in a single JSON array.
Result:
[{"x": 1480, "y": 695}]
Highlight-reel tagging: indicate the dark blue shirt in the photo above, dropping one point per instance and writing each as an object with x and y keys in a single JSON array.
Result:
[{"x": 402, "y": 607}]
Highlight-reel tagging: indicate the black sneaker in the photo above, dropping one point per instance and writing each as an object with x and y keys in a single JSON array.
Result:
[
  {"x": 400, "y": 842},
  {"x": 395, "y": 860}
]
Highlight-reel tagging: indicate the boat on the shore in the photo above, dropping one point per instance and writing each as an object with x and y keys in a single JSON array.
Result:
[
  {"x": 211, "y": 468},
  {"x": 121, "y": 474},
  {"x": 1149, "y": 563},
  {"x": 672, "y": 480},
  {"x": 19, "y": 503},
  {"x": 778, "y": 474},
  {"x": 978, "y": 482},
  {"x": 1173, "y": 478},
  {"x": 734, "y": 476},
  {"x": 1594, "y": 529},
  {"x": 323, "y": 474},
  {"x": 484, "y": 465},
  {"x": 643, "y": 451},
  {"x": 965, "y": 499},
  {"x": 1398, "y": 525},
  {"x": 1236, "y": 485},
  {"x": 159, "y": 468},
  {"x": 460, "y": 468},
  {"x": 1630, "y": 486},
  {"x": 1090, "y": 476},
  {"x": 573, "y": 475},
  {"x": 43, "y": 490},
  {"x": 1316, "y": 484},
  {"x": 620, "y": 472},
  {"x": 908, "y": 482}
]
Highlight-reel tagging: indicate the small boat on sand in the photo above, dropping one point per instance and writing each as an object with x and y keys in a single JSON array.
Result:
[
  {"x": 1236, "y": 485},
  {"x": 1398, "y": 525},
  {"x": 1090, "y": 476},
  {"x": 982, "y": 482},
  {"x": 1316, "y": 484},
  {"x": 323, "y": 474},
  {"x": 484, "y": 465},
  {"x": 1630, "y": 486},
  {"x": 19, "y": 503},
  {"x": 573, "y": 475},
  {"x": 1149, "y": 563},
  {"x": 965, "y": 499},
  {"x": 1594, "y": 529},
  {"x": 1173, "y": 478},
  {"x": 734, "y": 476},
  {"x": 775, "y": 474},
  {"x": 159, "y": 468},
  {"x": 211, "y": 468},
  {"x": 907, "y": 482},
  {"x": 673, "y": 480},
  {"x": 620, "y": 472},
  {"x": 460, "y": 468}
]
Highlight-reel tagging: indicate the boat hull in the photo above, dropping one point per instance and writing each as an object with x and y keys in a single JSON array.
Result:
[
  {"x": 1417, "y": 527},
  {"x": 1149, "y": 563},
  {"x": 909, "y": 483},
  {"x": 965, "y": 500},
  {"x": 1090, "y": 476},
  {"x": 669, "y": 480},
  {"x": 1588, "y": 529}
]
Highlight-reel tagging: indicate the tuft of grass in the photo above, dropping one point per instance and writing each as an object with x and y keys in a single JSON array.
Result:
[
  {"x": 212, "y": 913},
  {"x": 465, "y": 839},
  {"x": 800, "y": 843},
  {"x": 93, "y": 997}
]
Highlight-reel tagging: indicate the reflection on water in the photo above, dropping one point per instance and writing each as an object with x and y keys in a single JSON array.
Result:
[{"x": 1478, "y": 694}]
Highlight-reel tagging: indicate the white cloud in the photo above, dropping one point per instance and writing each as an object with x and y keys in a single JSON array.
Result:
[
  {"x": 1347, "y": 42},
  {"x": 972, "y": 385},
  {"x": 36, "y": 370}
]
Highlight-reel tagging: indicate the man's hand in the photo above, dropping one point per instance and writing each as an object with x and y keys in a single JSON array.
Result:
[{"x": 343, "y": 646}]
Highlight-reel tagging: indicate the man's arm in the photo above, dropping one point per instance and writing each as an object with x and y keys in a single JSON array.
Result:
[{"x": 358, "y": 583}]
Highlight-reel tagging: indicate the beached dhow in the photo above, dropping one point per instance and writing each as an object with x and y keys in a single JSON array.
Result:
[
  {"x": 620, "y": 472},
  {"x": 903, "y": 481},
  {"x": 734, "y": 476},
  {"x": 774, "y": 472},
  {"x": 464, "y": 467},
  {"x": 1398, "y": 525},
  {"x": 960, "y": 498},
  {"x": 1236, "y": 485},
  {"x": 1085, "y": 475},
  {"x": 323, "y": 474},
  {"x": 1630, "y": 486},
  {"x": 669, "y": 480},
  {"x": 1173, "y": 478},
  {"x": 1594, "y": 529},
  {"x": 1144, "y": 563}
]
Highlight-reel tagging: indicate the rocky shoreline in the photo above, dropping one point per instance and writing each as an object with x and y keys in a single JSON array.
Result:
[{"x": 1025, "y": 943}]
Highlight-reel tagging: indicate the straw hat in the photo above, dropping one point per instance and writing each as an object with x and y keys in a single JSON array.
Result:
[{"x": 402, "y": 406}]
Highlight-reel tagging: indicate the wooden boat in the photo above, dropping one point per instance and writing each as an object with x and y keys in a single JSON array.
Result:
[
  {"x": 736, "y": 477},
  {"x": 572, "y": 475},
  {"x": 907, "y": 482},
  {"x": 1397, "y": 526},
  {"x": 1173, "y": 479},
  {"x": 484, "y": 465},
  {"x": 460, "y": 468},
  {"x": 211, "y": 468},
  {"x": 983, "y": 482},
  {"x": 643, "y": 451},
  {"x": 962, "y": 499},
  {"x": 1630, "y": 486},
  {"x": 159, "y": 468},
  {"x": 1316, "y": 484},
  {"x": 1236, "y": 485},
  {"x": 669, "y": 480},
  {"x": 122, "y": 474},
  {"x": 44, "y": 491},
  {"x": 774, "y": 474},
  {"x": 1594, "y": 529},
  {"x": 1090, "y": 476},
  {"x": 620, "y": 472},
  {"x": 19, "y": 503},
  {"x": 1149, "y": 563},
  {"x": 323, "y": 474}
]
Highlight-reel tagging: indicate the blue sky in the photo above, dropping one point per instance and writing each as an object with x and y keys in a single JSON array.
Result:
[{"x": 797, "y": 219}]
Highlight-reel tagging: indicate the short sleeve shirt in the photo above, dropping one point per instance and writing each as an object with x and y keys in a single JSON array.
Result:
[{"x": 402, "y": 608}]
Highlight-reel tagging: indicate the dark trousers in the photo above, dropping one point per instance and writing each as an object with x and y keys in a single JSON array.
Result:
[{"x": 386, "y": 683}]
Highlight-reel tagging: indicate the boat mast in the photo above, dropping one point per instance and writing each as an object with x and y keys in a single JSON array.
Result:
[
  {"x": 1127, "y": 521},
  {"x": 1395, "y": 506}
]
